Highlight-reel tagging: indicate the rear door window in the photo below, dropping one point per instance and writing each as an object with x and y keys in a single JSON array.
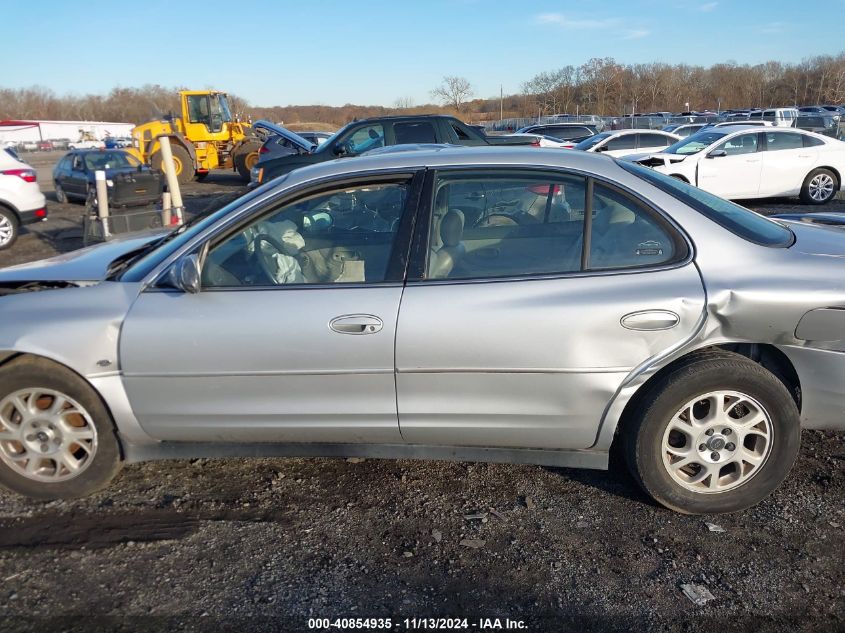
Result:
[
  {"x": 414, "y": 132},
  {"x": 654, "y": 140},
  {"x": 783, "y": 140}
]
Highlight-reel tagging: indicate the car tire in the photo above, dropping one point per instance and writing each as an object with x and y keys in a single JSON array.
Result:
[
  {"x": 9, "y": 228},
  {"x": 820, "y": 187},
  {"x": 39, "y": 447},
  {"x": 696, "y": 457},
  {"x": 61, "y": 196}
]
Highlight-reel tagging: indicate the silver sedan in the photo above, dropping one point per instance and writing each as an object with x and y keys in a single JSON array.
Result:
[{"x": 514, "y": 305}]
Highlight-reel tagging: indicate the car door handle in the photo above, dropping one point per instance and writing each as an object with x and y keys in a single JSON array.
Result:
[
  {"x": 356, "y": 324},
  {"x": 649, "y": 320}
]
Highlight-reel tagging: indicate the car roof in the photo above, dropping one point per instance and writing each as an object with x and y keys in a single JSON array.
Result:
[
  {"x": 456, "y": 156},
  {"x": 401, "y": 117},
  {"x": 638, "y": 131}
]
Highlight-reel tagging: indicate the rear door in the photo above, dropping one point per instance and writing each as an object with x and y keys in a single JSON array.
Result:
[
  {"x": 510, "y": 333},
  {"x": 786, "y": 162},
  {"x": 653, "y": 142}
]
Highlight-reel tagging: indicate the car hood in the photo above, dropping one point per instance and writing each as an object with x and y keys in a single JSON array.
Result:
[
  {"x": 657, "y": 159},
  {"x": 278, "y": 130},
  {"x": 86, "y": 264}
]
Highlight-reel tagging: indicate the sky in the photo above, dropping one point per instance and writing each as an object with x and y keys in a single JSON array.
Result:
[{"x": 332, "y": 52}]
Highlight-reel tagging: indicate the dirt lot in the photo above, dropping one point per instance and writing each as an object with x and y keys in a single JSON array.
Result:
[{"x": 254, "y": 545}]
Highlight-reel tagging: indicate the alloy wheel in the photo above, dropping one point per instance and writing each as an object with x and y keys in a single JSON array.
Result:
[
  {"x": 717, "y": 441},
  {"x": 7, "y": 230},
  {"x": 45, "y": 435},
  {"x": 821, "y": 187}
]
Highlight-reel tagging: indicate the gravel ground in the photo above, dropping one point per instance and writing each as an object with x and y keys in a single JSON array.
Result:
[{"x": 266, "y": 544}]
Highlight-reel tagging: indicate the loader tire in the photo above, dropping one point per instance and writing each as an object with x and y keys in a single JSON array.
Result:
[
  {"x": 181, "y": 160},
  {"x": 246, "y": 156}
]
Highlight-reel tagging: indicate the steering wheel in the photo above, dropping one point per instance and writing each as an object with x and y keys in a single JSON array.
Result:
[{"x": 266, "y": 260}]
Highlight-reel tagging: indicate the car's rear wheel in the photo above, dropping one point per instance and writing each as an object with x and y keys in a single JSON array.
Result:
[
  {"x": 717, "y": 434},
  {"x": 8, "y": 228},
  {"x": 61, "y": 196},
  {"x": 819, "y": 187},
  {"x": 57, "y": 439}
]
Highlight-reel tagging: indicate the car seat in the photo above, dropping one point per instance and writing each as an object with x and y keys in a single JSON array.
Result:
[{"x": 451, "y": 249}]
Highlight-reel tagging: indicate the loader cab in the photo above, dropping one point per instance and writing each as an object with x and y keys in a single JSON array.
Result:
[{"x": 205, "y": 114}]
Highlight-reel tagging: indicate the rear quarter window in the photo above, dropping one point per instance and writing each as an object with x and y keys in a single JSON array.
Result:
[{"x": 738, "y": 220}]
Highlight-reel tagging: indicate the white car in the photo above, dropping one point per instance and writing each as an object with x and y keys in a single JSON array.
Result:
[
  {"x": 623, "y": 142},
  {"x": 756, "y": 162},
  {"x": 779, "y": 117},
  {"x": 21, "y": 201},
  {"x": 87, "y": 144},
  {"x": 545, "y": 141}
]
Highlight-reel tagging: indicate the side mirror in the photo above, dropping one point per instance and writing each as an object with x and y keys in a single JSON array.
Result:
[
  {"x": 341, "y": 150},
  {"x": 601, "y": 148},
  {"x": 186, "y": 274},
  {"x": 717, "y": 153}
]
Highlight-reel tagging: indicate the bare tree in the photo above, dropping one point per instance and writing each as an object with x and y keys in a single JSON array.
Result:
[
  {"x": 453, "y": 91},
  {"x": 404, "y": 103}
]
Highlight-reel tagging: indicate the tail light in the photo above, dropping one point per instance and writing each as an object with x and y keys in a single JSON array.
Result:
[
  {"x": 535, "y": 143},
  {"x": 263, "y": 150},
  {"x": 27, "y": 175}
]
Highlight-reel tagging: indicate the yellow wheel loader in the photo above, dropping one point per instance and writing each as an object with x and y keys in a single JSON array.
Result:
[{"x": 204, "y": 137}]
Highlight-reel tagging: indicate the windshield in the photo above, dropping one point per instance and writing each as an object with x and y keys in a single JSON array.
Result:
[
  {"x": 695, "y": 143},
  {"x": 110, "y": 160},
  {"x": 220, "y": 105},
  {"x": 592, "y": 141},
  {"x": 148, "y": 258},
  {"x": 736, "y": 219}
]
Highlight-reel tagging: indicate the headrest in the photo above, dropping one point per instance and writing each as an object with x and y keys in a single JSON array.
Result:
[{"x": 452, "y": 228}]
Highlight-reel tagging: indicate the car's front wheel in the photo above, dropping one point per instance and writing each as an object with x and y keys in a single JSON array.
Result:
[
  {"x": 57, "y": 440},
  {"x": 717, "y": 434}
]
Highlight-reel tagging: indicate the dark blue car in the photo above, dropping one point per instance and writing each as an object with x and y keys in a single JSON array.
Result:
[{"x": 130, "y": 182}]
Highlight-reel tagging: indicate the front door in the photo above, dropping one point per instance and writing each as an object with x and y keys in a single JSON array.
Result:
[
  {"x": 736, "y": 174},
  {"x": 510, "y": 336},
  {"x": 291, "y": 337}
]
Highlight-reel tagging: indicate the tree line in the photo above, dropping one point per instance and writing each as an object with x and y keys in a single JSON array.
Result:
[{"x": 600, "y": 86}]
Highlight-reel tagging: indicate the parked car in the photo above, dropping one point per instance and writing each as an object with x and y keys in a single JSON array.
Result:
[
  {"x": 701, "y": 362},
  {"x": 28, "y": 146},
  {"x": 318, "y": 138},
  {"x": 21, "y": 200},
  {"x": 45, "y": 146},
  {"x": 87, "y": 142},
  {"x": 116, "y": 142},
  {"x": 130, "y": 182},
  {"x": 683, "y": 129},
  {"x": 827, "y": 123},
  {"x": 537, "y": 140},
  {"x": 755, "y": 162},
  {"x": 364, "y": 135},
  {"x": 779, "y": 117},
  {"x": 280, "y": 141},
  {"x": 812, "y": 110},
  {"x": 563, "y": 131},
  {"x": 622, "y": 142}
]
